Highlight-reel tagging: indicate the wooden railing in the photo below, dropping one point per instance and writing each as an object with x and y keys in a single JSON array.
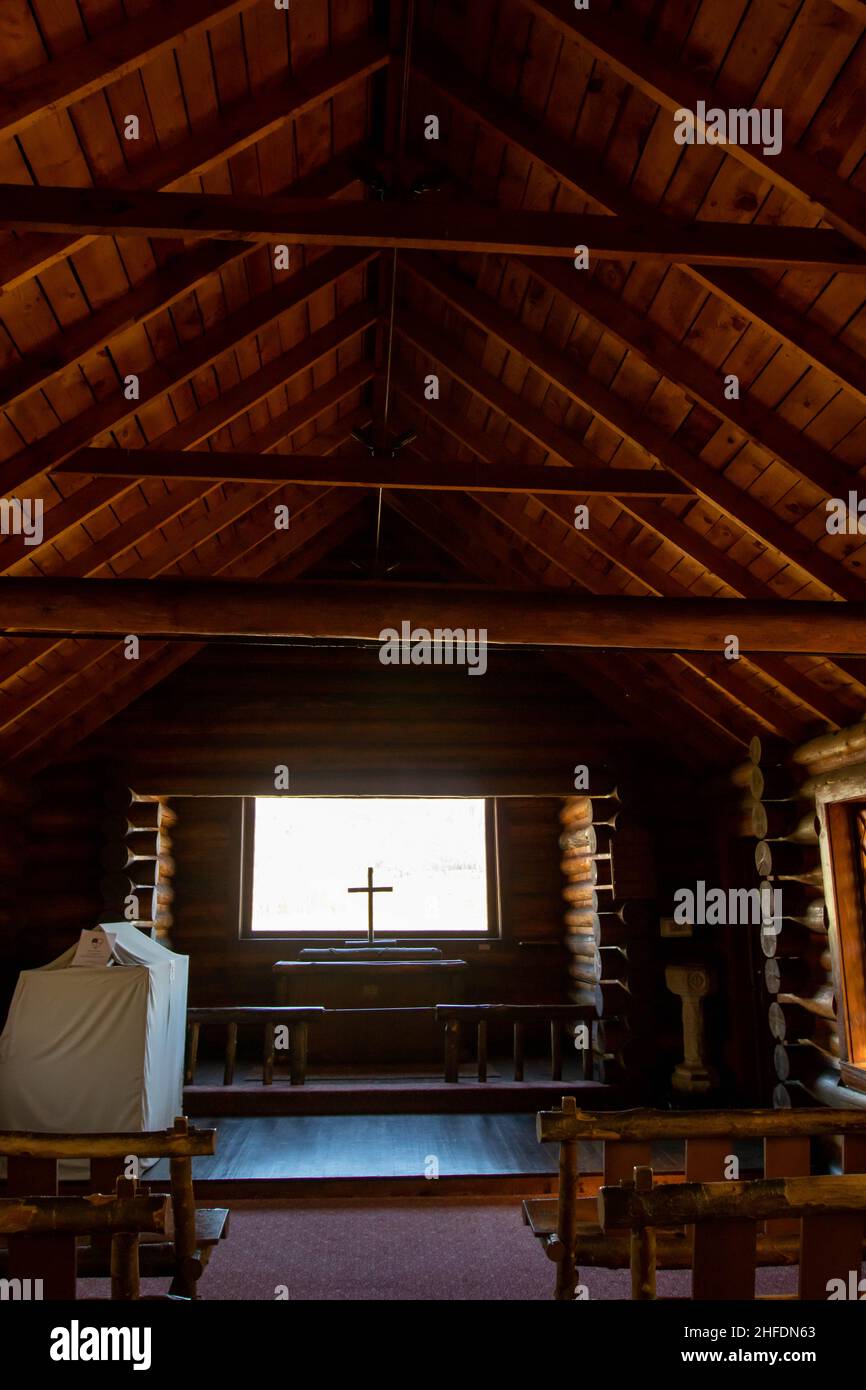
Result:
[
  {"x": 558, "y": 1017},
  {"x": 296, "y": 1020}
]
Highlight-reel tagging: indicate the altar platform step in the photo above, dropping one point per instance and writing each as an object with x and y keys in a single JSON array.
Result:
[
  {"x": 381, "y": 1155},
  {"x": 412, "y": 1089}
]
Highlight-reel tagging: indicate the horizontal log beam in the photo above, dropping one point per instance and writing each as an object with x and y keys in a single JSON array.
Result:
[
  {"x": 242, "y": 609},
  {"x": 417, "y": 226},
  {"x": 313, "y": 470}
]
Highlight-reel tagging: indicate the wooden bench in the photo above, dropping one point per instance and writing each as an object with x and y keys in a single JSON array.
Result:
[
  {"x": 724, "y": 1216},
  {"x": 43, "y": 1233},
  {"x": 32, "y": 1167},
  {"x": 568, "y": 1226}
]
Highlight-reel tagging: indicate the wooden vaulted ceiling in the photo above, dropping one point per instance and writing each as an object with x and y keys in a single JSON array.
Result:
[{"x": 706, "y": 261}]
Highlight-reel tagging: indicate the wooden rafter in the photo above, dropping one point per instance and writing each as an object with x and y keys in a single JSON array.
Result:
[
  {"x": 199, "y": 427},
  {"x": 672, "y": 86},
  {"x": 164, "y": 376},
  {"x": 578, "y": 171},
  {"x": 700, "y": 381},
  {"x": 107, "y": 58},
  {"x": 433, "y": 226},
  {"x": 103, "y": 560},
  {"x": 631, "y": 424},
  {"x": 235, "y": 130},
  {"x": 97, "y": 703},
  {"x": 182, "y": 275},
  {"x": 826, "y": 704}
]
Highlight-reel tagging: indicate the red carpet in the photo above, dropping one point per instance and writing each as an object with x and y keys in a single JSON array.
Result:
[{"x": 414, "y": 1250}]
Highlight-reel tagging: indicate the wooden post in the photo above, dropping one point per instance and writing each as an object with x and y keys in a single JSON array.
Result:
[
  {"x": 566, "y": 1216},
  {"x": 298, "y": 1035},
  {"x": 452, "y": 1051},
  {"x": 125, "y": 1278},
  {"x": 231, "y": 1054},
  {"x": 482, "y": 1051},
  {"x": 183, "y": 1211},
  {"x": 642, "y": 1247},
  {"x": 519, "y": 1050},
  {"x": 192, "y": 1054},
  {"x": 268, "y": 1054},
  {"x": 555, "y": 1050}
]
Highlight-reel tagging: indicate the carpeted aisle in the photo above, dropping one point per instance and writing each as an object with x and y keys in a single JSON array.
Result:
[{"x": 413, "y": 1250}]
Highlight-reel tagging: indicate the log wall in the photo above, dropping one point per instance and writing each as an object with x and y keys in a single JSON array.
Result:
[{"x": 191, "y": 748}]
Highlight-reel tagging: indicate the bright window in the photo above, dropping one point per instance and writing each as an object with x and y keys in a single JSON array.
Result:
[{"x": 304, "y": 853}]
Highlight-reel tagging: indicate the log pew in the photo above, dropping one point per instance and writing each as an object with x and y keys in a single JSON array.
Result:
[
  {"x": 725, "y": 1217},
  {"x": 568, "y": 1226},
  {"x": 32, "y": 1168},
  {"x": 43, "y": 1233}
]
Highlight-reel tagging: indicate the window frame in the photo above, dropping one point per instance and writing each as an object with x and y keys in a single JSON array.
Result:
[
  {"x": 845, "y": 884},
  {"x": 425, "y": 937}
]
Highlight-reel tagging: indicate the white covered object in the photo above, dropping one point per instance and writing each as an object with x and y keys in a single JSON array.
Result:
[{"x": 94, "y": 1049}]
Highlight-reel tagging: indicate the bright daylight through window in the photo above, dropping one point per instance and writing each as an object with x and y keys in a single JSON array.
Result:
[{"x": 309, "y": 851}]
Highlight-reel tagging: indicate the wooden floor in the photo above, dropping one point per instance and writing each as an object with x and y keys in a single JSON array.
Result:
[{"x": 390, "y": 1154}]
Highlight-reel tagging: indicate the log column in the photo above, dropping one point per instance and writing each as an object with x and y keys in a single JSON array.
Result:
[
  {"x": 136, "y": 857},
  {"x": 798, "y": 973},
  {"x": 609, "y": 870}
]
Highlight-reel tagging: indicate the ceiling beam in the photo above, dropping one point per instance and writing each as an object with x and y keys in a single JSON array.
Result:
[
  {"x": 54, "y": 86},
  {"x": 430, "y": 226},
  {"x": 578, "y": 170},
  {"x": 161, "y": 608},
  {"x": 236, "y": 129},
  {"x": 671, "y": 86},
  {"x": 625, "y": 419},
  {"x": 310, "y": 470}
]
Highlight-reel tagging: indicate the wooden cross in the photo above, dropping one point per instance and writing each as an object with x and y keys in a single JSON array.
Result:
[{"x": 370, "y": 890}]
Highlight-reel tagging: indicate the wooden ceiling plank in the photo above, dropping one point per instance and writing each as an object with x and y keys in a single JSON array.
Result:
[
  {"x": 237, "y": 129},
  {"x": 112, "y": 55},
  {"x": 688, "y": 371},
  {"x": 673, "y": 88},
  {"x": 172, "y": 372},
  {"x": 627, "y": 422},
  {"x": 579, "y": 172},
  {"x": 440, "y": 476},
  {"x": 157, "y": 608},
  {"x": 432, "y": 226},
  {"x": 182, "y": 275}
]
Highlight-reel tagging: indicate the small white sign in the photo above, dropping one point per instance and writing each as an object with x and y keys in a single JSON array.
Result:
[{"x": 95, "y": 947}]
